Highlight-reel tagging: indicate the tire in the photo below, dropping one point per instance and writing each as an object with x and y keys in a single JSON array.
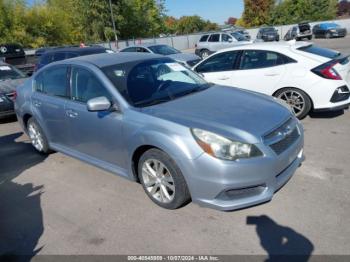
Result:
[
  {"x": 297, "y": 99},
  {"x": 310, "y": 38},
  {"x": 37, "y": 137},
  {"x": 169, "y": 178},
  {"x": 328, "y": 35},
  {"x": 204, "y": 53}
]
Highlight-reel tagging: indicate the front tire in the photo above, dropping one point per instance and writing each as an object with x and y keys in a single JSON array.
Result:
[
  {"x": 297, "y": 99},
  {"x": 162, "y": 180},
  {"x": 328, "y": 35},
  {"x": 37, "y": 137}
]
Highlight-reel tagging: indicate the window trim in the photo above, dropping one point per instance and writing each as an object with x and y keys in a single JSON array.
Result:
[{"x": 50, "y": 95}]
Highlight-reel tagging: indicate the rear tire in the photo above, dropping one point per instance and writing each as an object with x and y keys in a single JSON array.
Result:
[
  {"x": 162, "y": 180},
  {"x": 297, "y": 99},
  {"x": 37, "y": 137}
]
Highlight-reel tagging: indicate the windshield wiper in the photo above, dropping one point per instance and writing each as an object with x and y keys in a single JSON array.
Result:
[{"x": 153, "y": 102}]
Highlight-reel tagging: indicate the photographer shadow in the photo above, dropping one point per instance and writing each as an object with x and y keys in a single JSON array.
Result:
[
  {"x": 21, "y": 219},
  {"x": 280, "y": 242}
]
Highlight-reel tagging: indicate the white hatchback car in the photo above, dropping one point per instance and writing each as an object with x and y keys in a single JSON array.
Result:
[{"x": 306, "y": 76}]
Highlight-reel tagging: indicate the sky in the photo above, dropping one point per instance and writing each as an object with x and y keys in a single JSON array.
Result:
[{"x": 215, "y": 10}]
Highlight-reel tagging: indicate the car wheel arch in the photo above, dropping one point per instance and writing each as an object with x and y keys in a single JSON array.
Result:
[
  {"x": 25, "y": 118},
  {"x": 293, "y": 87}
]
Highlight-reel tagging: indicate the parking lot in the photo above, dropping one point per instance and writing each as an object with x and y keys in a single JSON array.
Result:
[{"x": 59, "y": 205}]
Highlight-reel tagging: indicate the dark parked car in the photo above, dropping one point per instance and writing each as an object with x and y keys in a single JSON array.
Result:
[
  {"x": 299, "y": 32},
  {"x": 57, "y": 54},
  {"x": 14, "y": 54},
  {"x": 268, "y": 34},
  {"x": 10, "y": 78},
  {"x": 329, "y": 30}
]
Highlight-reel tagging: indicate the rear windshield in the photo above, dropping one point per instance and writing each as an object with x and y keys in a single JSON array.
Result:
[{"x": 316, "y": 50}]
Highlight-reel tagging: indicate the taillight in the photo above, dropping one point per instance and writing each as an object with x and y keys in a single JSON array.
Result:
[{"x": 327, "y": 71}]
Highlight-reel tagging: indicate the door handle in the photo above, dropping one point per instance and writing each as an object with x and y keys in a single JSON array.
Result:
[
  {"x": 71, "y": 113},
  {"x": 224, "y": 78},
  {"x": 271, "y": 74}
]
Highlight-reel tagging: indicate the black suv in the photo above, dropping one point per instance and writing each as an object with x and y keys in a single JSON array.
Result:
[
  {"x": 57, "y": 54},
  {"x": 268, "y": 34}
]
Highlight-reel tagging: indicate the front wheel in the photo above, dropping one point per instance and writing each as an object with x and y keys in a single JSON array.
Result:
[
  {"x": 162, "y": 180},
  {"x": 328, "y": 35},
  {"x": 297, "y": 99},
  {"x": 37, "y": 137}
]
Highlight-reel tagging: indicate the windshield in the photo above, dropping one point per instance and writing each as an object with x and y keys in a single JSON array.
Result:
[
  {"x": 154, "y": 81},
  {"x": 238, "y": 36},
  {"x": 316, "y": 50},
  {"x": 268, "y": 30},
  {"x": 163, "y": 50},
  {"x": 9, "y": 72}
]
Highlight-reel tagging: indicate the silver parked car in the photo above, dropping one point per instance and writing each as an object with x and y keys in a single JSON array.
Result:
[
  {"x": 183, "y": 58},
  {"x": 213, "y": 42},
  {"x": 150, "y": 119}
]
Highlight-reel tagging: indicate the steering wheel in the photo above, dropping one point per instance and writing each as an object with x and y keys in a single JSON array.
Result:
[{"x": 164, "y": 85}]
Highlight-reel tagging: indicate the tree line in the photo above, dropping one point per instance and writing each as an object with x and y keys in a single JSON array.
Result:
[
  {"x": 272, "y": 12},
  {"x": 64, "y": 22}
]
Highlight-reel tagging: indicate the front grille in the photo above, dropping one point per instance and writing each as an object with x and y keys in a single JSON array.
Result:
[{"x": 285, "y": 143}]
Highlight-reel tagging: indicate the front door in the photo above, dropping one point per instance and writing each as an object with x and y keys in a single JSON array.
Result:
[{"x": 97, "y": 135}]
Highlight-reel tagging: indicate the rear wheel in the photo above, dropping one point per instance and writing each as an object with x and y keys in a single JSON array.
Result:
[
  {"x": 162, "y": 180},
  {"x": 204, "y": 53},
  {"x": 298, "y": 100},
  {"x": 37, "y": 137}
]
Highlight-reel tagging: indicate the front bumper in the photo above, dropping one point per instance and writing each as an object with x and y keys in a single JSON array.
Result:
[{"x": 231, "y": 185}]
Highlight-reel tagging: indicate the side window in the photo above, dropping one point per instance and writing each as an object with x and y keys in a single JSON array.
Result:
[
  {"x": 214, "y": 38},
  {"x": 141, "y": 50},
  {"x": 255, "y": 59},
  {"x": 52, "y": 81},
  {"x": 225, "y": 38},
  {"x": 46, "y": 59},
  {"x": 71, "y": 55},
  {"x": 59, "y": 56},
  {"x": 86, "y": 86},
  {"x": 204, "y": 38},
  {"x": 130, "y": 49},
  {"x": 219, "y": 62}
]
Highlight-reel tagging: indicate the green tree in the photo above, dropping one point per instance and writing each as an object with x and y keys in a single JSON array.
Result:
[{"x": 257, "y": 12}]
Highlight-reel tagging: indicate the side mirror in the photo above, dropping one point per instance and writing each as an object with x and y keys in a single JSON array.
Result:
[
  {"x": 230, "y": 40},
  {"x": 98, "y": 104}
]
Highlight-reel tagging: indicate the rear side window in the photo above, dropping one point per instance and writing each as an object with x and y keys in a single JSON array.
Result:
[
  {"x": 204, "y": 38},
  {"x": 86, "y": 86},
  {"x": 59, "y": 56},
  {"x": 214, "y": 38},
  {"x": 316, "y": 50},
  {"x": 52, "y": 81},
  {"x": 129, "y": 49},
  {"x": 46, "y": 59},
  {"x": 219, "y": 62},
  {"x": 255, "y": 59}
]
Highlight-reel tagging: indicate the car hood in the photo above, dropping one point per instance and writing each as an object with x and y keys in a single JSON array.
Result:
[
  {"x": 184, "y": 57},
  {"x": 231, "y": 112},
  {"x": 8, "y": 86}
]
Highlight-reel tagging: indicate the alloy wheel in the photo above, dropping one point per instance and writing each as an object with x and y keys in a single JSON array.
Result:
[
  {"x": 158, "y": 181},
  {"x": 294, "y": 99},
  {"x": 36, "y": 137}
]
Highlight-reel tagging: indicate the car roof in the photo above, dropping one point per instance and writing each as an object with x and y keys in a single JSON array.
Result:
[
  {"x": 268, "y": 46},
  {"x": 108, "y": 59},
  {"x": 79, "y": 50},
  {"x": 143, "y": 45}
]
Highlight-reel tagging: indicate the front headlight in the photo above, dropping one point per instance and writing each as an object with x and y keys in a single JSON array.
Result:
[
  {"x": 333, "y": 30},
  {"x": 224, "y": 148}
]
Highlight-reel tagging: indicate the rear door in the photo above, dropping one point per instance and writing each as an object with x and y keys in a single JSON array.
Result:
[
  {"x": 214, "y": 42},
  {"x": 259, "y": 71},
  {"x": 48, "y": 102},
  {"x": 219, "y": 68}
]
